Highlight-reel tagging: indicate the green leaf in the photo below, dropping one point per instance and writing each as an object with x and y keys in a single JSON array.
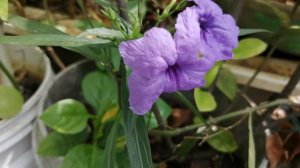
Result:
[
  {"x": 100, "y": 90},
  {"x": 205, "y": 101},
  {"x": 56, "y": 144},
  {"x": 227, "y": 83},
  {"x": 244, "y": 32},
  {"x": 110, "y": 146},
  {"x": 67, "y": 116},
  {"x": 164, "y": 109},
  {"x": 137, "y": 141},
  {"x": 212, "y": 74},
  {"x": 251, "y": 151},
  {"x": 123, "y": 160},
  {"x": 222, "y": 140},
  {"x": 4, "y": 10},
  {"x": 249, "y": 47},
  {"x": 83, "y": 156},
  {"x": 185, "y": 147},
  {"x": 51, "y": 40},
  {"x": 11, "y": 102},
  {"x": 102, "y": 32}
]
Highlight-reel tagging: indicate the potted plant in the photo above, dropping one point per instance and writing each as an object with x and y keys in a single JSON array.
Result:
[
  {"x": 94, "y": 121},
  {"x": 16, "y": 118}
]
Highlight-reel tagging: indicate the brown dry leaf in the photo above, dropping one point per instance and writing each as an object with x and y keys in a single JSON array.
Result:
[
  {"x": 180, "y": 117},
  {"x": 162, "y": 165},
  {"x": 274, "y": 149}
]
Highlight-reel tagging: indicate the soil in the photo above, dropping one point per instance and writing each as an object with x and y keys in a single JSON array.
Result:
[{"x": 28, "y": 82}]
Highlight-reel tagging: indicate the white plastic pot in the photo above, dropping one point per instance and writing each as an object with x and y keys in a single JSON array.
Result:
[
  {"x": 15, "y": 137},
  {"x": 67, "y": 84}
]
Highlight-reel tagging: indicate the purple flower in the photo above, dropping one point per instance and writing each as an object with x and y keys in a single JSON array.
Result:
[
  {"x": 212, "y": 33},
  {"x": 160, "y": 63},
  {"x": 157, "y": 67}
]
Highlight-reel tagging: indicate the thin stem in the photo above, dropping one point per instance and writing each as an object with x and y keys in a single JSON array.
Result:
[
  {"x": 162, "y": 124},
  {"x": 178, "y": 131},
  {"x": 257, "y": 71},
  {"x": 9, "y": 76},
  {"x": 191, "y": 107}
]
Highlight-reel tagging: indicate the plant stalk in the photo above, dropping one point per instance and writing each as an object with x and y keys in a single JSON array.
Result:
[
  {"x": 178, "y": 131},
  {"x": 10, "y": 77}
]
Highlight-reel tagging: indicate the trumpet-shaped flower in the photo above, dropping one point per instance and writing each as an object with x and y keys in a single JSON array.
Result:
[
  {"x": 157, "y": 67},
  {"x": 160, "y": 63}
]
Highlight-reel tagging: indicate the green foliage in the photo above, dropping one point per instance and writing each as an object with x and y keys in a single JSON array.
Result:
[
  {"x": 211, "y": 75},
  {"x": 222, "y": 140},
  {"x": 57, "y": 144},
  {"x": 205, "y": 101},
  {"x": 164, "y": 109},
  {"x": 67, "y": 116},
  {"x": 251, "y": 150},
  {"x": 227, "y": 83},
  {"x": 249, "y": 47},
  {"x": 185, "y": 147},
  {"x": 244, "y": 32},
  {"x": 11, "y": 102},
  {"x": 4, "y": 10},
  {"x": 100, "y": 90},
  {"x": 83, "y": 156},
  {"x": 52, "y": 40}
]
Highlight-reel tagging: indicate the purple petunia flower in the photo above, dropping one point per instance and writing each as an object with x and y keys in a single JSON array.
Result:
[
  {"x": 214, "y": 34},
  {"x": 160, "y": 63},
  {"x": 157, "y": 67}
]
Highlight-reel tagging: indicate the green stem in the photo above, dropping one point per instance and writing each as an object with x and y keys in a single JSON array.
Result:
[
  {"x": 191, "y": 107},
  {"x": 10, "y": 77},
  {"x": 178, "y": 131}
]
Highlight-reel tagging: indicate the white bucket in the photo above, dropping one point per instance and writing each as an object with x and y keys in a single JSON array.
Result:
[{"x": 15, "y": 133}]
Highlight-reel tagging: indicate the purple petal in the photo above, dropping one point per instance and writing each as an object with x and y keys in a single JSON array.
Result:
[
  {"x": 187, "y": 36},
  {"x": 186, "y": 77},
  {"x": 208, "y": 7},
  {"x": 219, "y": 37},
  {"x": 144, "y": 91},
  {"x": 150, "y": 54}
]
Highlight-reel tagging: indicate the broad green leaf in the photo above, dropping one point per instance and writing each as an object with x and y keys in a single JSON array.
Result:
[
  {"x": 102, "y": 32},
  {"x": 222, "y": 140},
  {"x": 57, "y": 144},
  {"x": 211, "y": 75},
  {"x": 244, "y": 32},
  {"x": 51, "y": 40},
  {"x": 4, "y": 10},
  {"x": 110, "y": 146},
  {"x": 251, "y": 151},
  {"x": 227, "y": 83},
  {"x": 100, "y": 90},
  {"x": 249, "y": 47},
  {"x": 83, "y": 156},
  {"x": 67, "y": 116},
  {"x": 11, "y": 102},
  {"x": 164, "y": 109},
  {"x": 205, "y": 101}
]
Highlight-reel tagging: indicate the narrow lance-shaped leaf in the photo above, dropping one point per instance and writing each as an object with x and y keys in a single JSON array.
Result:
[
  {"x": 136, "y": 134},
  {"x": 244, "y": 32},
  {"x": 251, "y": 151}
]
